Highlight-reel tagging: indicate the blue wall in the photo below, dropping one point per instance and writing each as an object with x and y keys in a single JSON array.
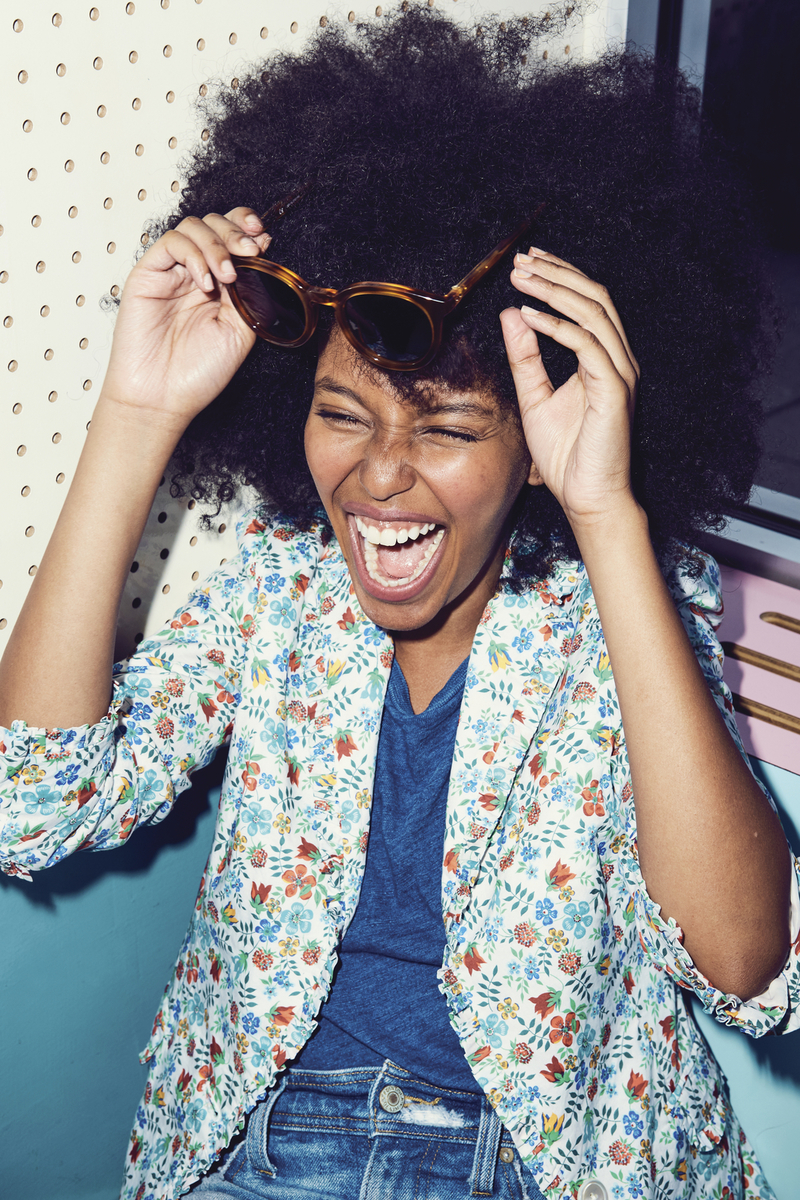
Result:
[{"x": 87, "y": 949}]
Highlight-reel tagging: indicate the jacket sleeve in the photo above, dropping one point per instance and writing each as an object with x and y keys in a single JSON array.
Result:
[
  {"x": 172, "y": 707},
  {"x": 777, "y": 1010}
]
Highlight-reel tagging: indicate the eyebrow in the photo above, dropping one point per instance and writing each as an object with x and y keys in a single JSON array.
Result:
[{"x": 446, "y": 408}]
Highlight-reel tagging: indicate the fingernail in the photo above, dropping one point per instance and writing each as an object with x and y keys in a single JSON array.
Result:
[
  {"x": 227, "y": 268},
  {"x": 246, "y": 241},
  {"x": 208, "y": 283},
  {"x": 524, "y": 258},
  {"x": 523, "y": 272},
  {"x": 527, "y": 311},
  {"x": 534, "y": 250}
]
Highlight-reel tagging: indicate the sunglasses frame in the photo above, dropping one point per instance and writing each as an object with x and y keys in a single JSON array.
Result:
[{"x": 435, "y": 306}]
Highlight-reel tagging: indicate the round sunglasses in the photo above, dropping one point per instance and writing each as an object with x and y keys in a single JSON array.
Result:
[{"x": 392, "y": 326}]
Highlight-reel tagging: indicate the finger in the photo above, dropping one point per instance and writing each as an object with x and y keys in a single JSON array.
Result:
[
  {"x": 594, "y": 359},
  {"x": 524, "y": 357},
  {"x": 176, "y": 247},
  {"x": 250, "y": 222},
  {"x": 584, "y": 306},
  {"x": 558, "y": 270}
]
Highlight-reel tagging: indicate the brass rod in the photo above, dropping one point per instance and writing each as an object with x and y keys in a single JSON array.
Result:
[
  {"x": 756, "y": 659},
  {"x": 781, "y": 619},
  {"x": 762, "y": 712}
]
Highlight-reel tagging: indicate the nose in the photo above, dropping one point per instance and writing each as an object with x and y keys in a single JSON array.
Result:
[{"x": 385, "y": 471}]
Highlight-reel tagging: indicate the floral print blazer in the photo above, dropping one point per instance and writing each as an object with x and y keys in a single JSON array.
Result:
[{"x": 563, "y": 982}]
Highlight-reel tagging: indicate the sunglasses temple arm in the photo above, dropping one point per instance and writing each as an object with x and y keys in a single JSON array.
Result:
[{"x": 459, "y": 290}]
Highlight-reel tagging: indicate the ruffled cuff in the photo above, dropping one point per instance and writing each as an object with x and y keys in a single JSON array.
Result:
[{"x": 775, "y": 1010}]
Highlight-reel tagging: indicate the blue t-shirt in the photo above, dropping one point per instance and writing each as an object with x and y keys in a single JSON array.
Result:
[{"x": 385, "y": 1001}]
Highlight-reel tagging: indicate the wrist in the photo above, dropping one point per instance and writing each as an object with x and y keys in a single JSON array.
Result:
[{"x": 617, "y": 524}]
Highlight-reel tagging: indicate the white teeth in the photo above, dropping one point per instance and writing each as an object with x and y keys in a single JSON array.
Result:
[
  {"x": 388, "y": 537},
  {"x": 402, "y": 536},
  {"x": 374, "y": 571},
  {"x": 414, "y": 532},
  {"x": 391, "y": 537}
]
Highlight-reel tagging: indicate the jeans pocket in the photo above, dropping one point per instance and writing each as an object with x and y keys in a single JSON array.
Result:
[{"x": 257, "y": 1140}]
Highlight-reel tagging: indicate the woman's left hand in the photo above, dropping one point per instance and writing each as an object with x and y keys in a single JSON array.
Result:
[{"x": 578, "y": 434}]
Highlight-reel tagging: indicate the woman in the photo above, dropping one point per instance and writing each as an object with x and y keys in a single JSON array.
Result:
[{"x": 555, "y": 849}]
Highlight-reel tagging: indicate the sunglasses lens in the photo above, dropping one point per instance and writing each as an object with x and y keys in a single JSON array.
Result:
[
  {"x": 390, "y": 326},
  {"x": 272, "y": 303}
]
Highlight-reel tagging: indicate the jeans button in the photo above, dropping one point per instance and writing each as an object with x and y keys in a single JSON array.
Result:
[
  {"x": 593, "y": 1189},
  {"x": 506, "y": 1154},
  {"x": 391, "y": 1098}
]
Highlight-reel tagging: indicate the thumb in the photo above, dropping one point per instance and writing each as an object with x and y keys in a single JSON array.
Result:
[{"x": 525, "y": 359}]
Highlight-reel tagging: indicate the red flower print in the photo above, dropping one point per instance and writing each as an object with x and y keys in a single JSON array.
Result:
[
  {"x": 488, "y": 801},
  {"x": 629, "y": 982},
  {"x": 569, "y": 962},
  {"x": 477, "y": 831},
  {"x": 326, "y": 606},
  {"x": 184, "y": 620},
  {"x": 570, "y": 644},
  {"x": 282, "y": 1014},
  {"x": 524, "y": 934},
  {"x": 345, "y": 744},
  {"x": 563, "y": 1029},
  {"x": 237, "y": 1062},
  {"x": 606, "y": 1034},
  {"x": 583, "y": 693},
  {"x": 205, "y": 1075},
  {"x": 175, "y": 687},
  {"x": 255, "y": 526},
  {"x": 262, "y": 960},
  {"x": 293, "y": 769},
  {"x": 296, "y": 881},
  {"x": 259, "y": 892},
  {"x": 560, "y": 874},
  {"x": 165, "y": 727},
  {"x": 311, "y": 955},
  {"x": 386, "y": 658},
  {"x": 522, "y": 1052},
  {"x": 473, "y": 960},
  {"x": 594, "y": 804},
  {"x": 480, "y": 1055},
  {"x": 451, "y": 861},
  {"x": 636, "y": 1086},
  {"x": 234, "y": 1012},
  {"x": 250, "y": 775},
  {"x": 216, "y": 656},
  {"x": 348, "y": 620},
  {"x": 258, "y": 858},
  {"x": 591, "y": 1091},
  {"x": 507, "y": 860},
  {"x": 534, "y": 812},
  {"x": 136, "y": 1147},
  {"x": 543, "y": 1004},
  {"x": 247, "y": 626},
  {"x": 620, "y": 1154},
  {"x": 554, "y": 1071},
  {"x": 297, "y": 710}
]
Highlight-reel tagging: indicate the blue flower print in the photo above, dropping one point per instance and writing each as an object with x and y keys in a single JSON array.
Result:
[
  {"x": 296, "y": 919},
  {"x": 41, "y": 802},
  {"x": 195, "y": 1115},
  {"x": 261, "y": 1053},
  {"x": 250, "y": 1023},
  {"x": 633, "y": 1125},
  {"x": 523, "y": 641},
  {"x": 531, "y": 966},
  {"x": 546, "y": 911},
  {"x": 578, "y": 919},
  {"x": 274, "y": 583},
  {"x": 195, "y": 1009},
  {"x": 635, "y": 1188},
  {"x": 282, "y": 613},
  {"x": 348, "y": 815},
  {"x": 494, "y": 1029},
  {"x": 273, "y": 735},
  {"x": 267, "y": 930},
  {"x": 68, "y": 775},
  {"x": 149, "y": 786},
  {"x": 257, "y": 818},
  {"x": 141, "y": 712},
  {"x": 372, "y": 635}
]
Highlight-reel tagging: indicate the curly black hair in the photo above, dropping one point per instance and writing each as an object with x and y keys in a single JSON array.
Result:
[{"x": 427, "y": 143}]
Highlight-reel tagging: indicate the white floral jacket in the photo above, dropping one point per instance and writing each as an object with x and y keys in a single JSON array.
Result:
[{"x": 562, "y": 980}]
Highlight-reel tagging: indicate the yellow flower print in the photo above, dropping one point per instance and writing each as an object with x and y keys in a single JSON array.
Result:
[
  {"x": 282, "y": 823},
  {"x": 183, "y": 1027},
  {"x": 334, "y": 670},
  {"x": 557, "y": 939},
  {"x": 551, "y": 1127},
  {"x": 566, "y": 892},
  {"x": 239, "y": 840},
  {"x": 507, "y": 1008},
  {"x": 32, "y": 775},
  {"x": 289, "y": 946},
  {"x": 159, "y": 699},
  {"x": 273, "y": 906},
  {"x": 363, "y": 799},
  {"x": 241, "y": 1042}
]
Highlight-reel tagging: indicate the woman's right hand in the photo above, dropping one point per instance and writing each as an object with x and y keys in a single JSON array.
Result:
[{"x": 178, "y": 339}]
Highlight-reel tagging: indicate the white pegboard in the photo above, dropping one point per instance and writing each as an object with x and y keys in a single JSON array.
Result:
[{"x": 98, "y": 114}]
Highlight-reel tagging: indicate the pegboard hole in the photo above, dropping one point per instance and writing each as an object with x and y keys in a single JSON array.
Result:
[
  {"x": 30, "y": 531},
  {"x": 18, "y": 26},
  {"x": 32, "y": 174},
  {"x": 203, "y": 89},
  {"x": 80, "y": 301},
  {"x": 222, "y": 528},
  {"x": 94, "y": 13},
  {"x": 193, "y": 540},
  {"x": 3, "y": 276},
  {"x": 44, "y": 311},
  {"x": 351, "y": 16},
  {"x": 192, "y": 504},
  {"x": 167, "y": 52},
  {"x": 164, "y": 553},
  {"x": 87, "y": 387},
  {"x": 136, "y": 602},
  {"x": 234, "y": 82},
  {"x": 175, "y": 186},
  {"x": 65, "y": 118},
  {"x": 61, "y": 70},
  {"x": 17, "y": 409},
  {"x": 144, "y": 239},
  {"x": 134, "y": 567},
  {"x": 108, "y": 202},
  {"x": 201, "y": 43},
  {"x": 57, "y": 19},
  {"x": 130, "y": 9},
  {"x": 139, "y": 150},
  {"x": 379, "y": 11},
  {"x": 233, "y": 39},
  {"x": 52, "y": 397},
  {"x": 323, "y": 21},
  {"x": 3, "y": 622},
  {"x": 12, "y": 366},
  {"x": 195, "y": 575},
  {"x": 293, "y": 27},
  {"x": 56, "y": 438},
  {"x": 105, "y": 157},
  {"x": 60, "y": 477},
  {"x": 172, "y": 143},
  {"x": 544, "y": 55},
  {"x": 264, "y": 31},
  {"x": 23, "y": 77},
  {"x": 136, "y": 104},
  {"x": 36, "y": 221},
  {"x": 205, "y": 135},
  {"x": 32, "y": 570},
  {"x": 165, "y": 590},
  {"x": 26, "y": 491},
  {"x": 98, "y": 63},
  {"x": 115, "y": 290},
  {"x": 48, "y": 355},
  {"x": 133, "y": 57},
  {"x": 41, "y": 266},
  {"x": 27, "y": 126},
  {"x": 162, "y": 516},
  {"x": 8, "y": 322},
  {"x": 76, "y": 258},
  {"x": 141, "y": 194},
  {"x": 165, "y": 3},
  {"x": 69, "y": 166},
  {"x": 22, "y": 451},
  {"x": 84, "y": 343},
  {"x": 101, "y": 110},
  {"x": 170, "y": 97}
]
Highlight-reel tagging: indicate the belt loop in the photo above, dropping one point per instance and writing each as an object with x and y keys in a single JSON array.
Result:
[
  {"x": 258, "y": 1130},
  {"x": 490, "y": 1131}
]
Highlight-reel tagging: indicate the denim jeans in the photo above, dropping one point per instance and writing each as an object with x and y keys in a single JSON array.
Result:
[{"x": 372, "y": 1133}]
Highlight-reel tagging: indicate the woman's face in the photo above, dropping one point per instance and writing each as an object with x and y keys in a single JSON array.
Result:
[{"x": 417, "y": 497}]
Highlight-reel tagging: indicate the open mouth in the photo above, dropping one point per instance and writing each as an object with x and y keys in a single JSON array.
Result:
[{"x": 396, "y": 556}]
